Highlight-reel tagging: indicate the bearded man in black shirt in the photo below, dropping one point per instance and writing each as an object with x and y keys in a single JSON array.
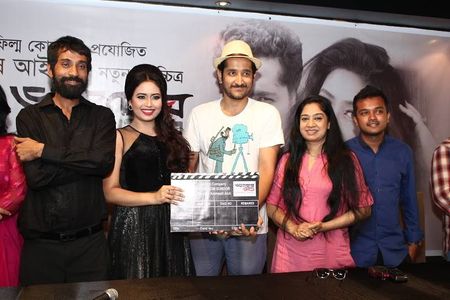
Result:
[{"x": 67, "y": 147}]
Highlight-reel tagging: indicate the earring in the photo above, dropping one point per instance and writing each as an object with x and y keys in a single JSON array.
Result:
[{"x": 130, "y": 108}]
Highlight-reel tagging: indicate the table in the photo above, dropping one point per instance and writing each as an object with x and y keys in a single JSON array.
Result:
[{"x": 426, "y": 281}]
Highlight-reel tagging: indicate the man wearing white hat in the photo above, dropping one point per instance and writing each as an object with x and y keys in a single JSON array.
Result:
[{"x": 256, "y": 134}]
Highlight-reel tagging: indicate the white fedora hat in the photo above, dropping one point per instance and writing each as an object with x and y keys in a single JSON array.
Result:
[{"x": 237, "y": 48}]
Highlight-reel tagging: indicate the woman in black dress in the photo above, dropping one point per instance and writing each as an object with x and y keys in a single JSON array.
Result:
[{"x": 147, "y": 151}]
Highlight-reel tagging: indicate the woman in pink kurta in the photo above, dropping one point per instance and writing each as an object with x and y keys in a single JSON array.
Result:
[
  {"x": 314, "y": 224},
  {"x": 12, "y": 193}
]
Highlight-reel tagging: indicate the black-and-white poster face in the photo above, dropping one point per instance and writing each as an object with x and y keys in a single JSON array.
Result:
[{"x": 300, "y": 56}]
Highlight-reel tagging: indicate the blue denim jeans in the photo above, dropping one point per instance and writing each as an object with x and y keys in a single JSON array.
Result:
[{"x": 243, "y": 255}]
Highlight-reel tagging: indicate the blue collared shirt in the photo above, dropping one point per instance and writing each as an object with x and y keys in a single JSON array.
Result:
[{"x": 389, "y": 173}]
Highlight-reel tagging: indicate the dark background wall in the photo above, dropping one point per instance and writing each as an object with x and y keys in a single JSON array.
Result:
[{"x": 421, "y": 14}]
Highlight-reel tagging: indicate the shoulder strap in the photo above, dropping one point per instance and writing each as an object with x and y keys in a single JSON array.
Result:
[
  {"x": 121, "y": 136},
  {"x": 129, "y": 136}
]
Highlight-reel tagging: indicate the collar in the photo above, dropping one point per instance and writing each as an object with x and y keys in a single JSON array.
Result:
[
  {"x": 48, "y": 101},
  {"x": 364, "y": 145}
]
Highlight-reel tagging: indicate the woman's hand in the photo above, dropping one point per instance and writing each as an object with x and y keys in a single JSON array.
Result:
[
  {"x": 316, "y": 227},
  {"x": 305, "y": 230},
  {"x": 4, "y": 212},
  {"x": 409, "y": 110},
  {"x": 170, "y": 194}
]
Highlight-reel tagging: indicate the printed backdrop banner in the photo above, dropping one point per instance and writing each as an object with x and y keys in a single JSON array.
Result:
[{"x": 182, "y": 42}]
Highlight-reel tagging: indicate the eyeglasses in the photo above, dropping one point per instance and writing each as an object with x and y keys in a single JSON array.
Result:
[{"x": 338, "y": 274}]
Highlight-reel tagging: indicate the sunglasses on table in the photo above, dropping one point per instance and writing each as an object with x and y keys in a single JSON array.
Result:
[{"x": 338, "y": 274}]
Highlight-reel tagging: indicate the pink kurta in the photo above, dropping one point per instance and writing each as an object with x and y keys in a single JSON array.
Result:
[
  {"x": 330, "y": 250},
  {"x": 12, "y": 193}
]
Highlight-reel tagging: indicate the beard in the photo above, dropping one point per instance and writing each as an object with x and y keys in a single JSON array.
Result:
[
  {"x": 69, "y": 91},
  {"x": 236, "y": 95}
]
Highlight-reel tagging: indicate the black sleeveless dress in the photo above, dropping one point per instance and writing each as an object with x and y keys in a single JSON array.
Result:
[{"x": 140, "y": 241}]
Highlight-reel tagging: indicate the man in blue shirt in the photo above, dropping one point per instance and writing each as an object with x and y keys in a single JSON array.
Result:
[{"x": 388, "y": 167}]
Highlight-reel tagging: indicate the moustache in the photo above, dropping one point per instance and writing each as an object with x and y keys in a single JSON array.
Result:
[
  {"x": 239, "y": 86},
  {"x": 373, "y": 123},
  {"x": 72, "y": 78}
]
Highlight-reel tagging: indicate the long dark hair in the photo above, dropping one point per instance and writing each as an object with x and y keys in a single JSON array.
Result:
[
  {"x": 4, "y": 111},
  {"x": 340, "y": 165},
  {"x": 177, "y": 147}
]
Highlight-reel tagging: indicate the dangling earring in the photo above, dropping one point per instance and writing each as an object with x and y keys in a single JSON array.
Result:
[{"x": 130, "y": 108}]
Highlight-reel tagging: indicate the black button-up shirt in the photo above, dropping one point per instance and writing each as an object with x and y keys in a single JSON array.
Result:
[{"x": 65, "y": 185}]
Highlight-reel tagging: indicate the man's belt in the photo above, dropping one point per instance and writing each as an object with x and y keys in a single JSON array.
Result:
[{"x": 71, "y": 236}]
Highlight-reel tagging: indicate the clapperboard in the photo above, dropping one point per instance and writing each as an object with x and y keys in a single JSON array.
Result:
[{"x": 215, "y": 201}]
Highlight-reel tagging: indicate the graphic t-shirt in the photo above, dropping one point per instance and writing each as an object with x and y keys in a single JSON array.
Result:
[{"x": 230, "y": 144}]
